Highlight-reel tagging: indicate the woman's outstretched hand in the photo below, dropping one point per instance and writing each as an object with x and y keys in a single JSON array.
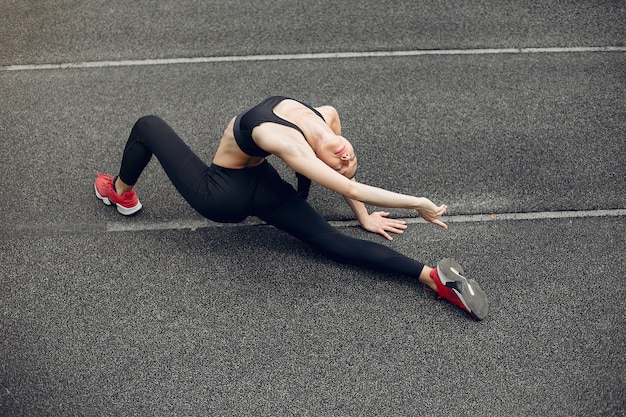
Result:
[
  {"x": 379, "y": 222},
  {"x": 431, "y": 213}
]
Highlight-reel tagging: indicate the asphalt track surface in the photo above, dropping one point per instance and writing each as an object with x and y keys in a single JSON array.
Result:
[{"x": 512, "y": 113}]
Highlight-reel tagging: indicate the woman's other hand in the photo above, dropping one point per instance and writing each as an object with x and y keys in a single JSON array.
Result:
[
  {"x": 431, "y": 213},
  {"x": 379, "y": 222}
]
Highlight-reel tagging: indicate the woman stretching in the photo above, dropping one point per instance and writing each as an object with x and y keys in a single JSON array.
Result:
[{"x": 241, "y": 182}]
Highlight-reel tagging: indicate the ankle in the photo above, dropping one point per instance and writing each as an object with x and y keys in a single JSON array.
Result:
[
  {"x": 120, "y": 186},
  {"x": 426, "y": 278}
]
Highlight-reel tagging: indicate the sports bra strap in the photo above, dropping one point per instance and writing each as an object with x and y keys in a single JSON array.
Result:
[{"x": 261, "y": 113}]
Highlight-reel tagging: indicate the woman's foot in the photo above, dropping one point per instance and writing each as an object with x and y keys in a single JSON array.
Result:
[
  {"x": 462, "y": 292},
  {"x": 127, "y": 203}
]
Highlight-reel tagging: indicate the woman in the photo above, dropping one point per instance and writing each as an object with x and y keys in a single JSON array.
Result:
[{"x": 240, "y": 182}]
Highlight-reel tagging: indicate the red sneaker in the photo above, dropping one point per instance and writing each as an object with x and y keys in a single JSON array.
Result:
[
  {"x": 127, "y": 203},
  {"x": 460, "y": 291}
]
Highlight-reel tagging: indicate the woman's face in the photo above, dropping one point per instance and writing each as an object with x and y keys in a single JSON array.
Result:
[{"x": 338, "y": 154}]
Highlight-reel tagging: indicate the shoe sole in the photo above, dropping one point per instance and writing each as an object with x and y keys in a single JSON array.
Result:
[
  {"x": 123, "y": 210},
  {"x": 470, "y": 293}
]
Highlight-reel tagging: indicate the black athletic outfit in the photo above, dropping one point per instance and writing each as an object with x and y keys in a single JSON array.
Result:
[{"x": 230, "y": 195}]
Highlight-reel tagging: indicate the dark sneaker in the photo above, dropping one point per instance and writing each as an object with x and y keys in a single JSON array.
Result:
[
  {"x": 127, "y": 203},
  {"x": 462, "y": 292}
]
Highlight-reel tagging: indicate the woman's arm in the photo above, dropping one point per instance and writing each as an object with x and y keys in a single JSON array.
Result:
[
  {"x": 377, "y": 222},
  {"x": 303, "y": 160}
]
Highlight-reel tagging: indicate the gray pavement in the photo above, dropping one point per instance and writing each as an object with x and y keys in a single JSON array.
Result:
[{"x": 167, "y": 314}]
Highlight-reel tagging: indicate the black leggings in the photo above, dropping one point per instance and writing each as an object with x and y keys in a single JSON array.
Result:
[{"x": 230, "y": 195}]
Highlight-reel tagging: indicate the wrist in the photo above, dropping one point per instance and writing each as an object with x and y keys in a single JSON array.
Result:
[
  {"x": 362, "y": 216},
  {"x": 419, "y": 203}
]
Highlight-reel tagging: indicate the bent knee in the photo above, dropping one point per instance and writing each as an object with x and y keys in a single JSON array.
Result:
[{"x": 149, "y": 121}]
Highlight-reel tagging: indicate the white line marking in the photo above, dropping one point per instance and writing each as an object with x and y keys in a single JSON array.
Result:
[
  {"x": 292, "y": 57},
  {"x": 201, "y": 224},
  {"x": 534, "y": 215}
]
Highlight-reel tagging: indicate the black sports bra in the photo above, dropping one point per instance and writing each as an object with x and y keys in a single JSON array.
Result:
[{"x": 261, "y": 113}]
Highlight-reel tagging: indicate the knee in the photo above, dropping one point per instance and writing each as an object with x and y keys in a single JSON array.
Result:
[{"x": 148, "y": 122}]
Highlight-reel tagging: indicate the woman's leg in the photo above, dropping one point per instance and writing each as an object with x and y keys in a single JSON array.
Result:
[
  {"x": 152, "y": 136},
  {"x": 299, "y": 219}
]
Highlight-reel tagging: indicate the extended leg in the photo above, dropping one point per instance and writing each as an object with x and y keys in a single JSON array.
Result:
[{"x": 285, "y": 210}]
